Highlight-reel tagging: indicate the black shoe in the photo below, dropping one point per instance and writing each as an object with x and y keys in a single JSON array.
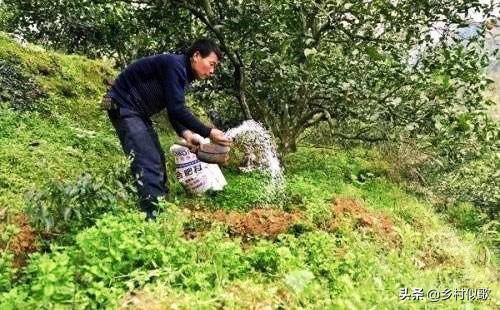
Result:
[{"x": 150, "y": 215}]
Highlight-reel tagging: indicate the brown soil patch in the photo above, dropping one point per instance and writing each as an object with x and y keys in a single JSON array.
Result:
[
  {"x": 264, "y": 222},
  {"x": 24, "y": 242},
  {"x": 381, "y": 225}
]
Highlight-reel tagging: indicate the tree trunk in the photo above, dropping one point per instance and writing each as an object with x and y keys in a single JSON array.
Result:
[
  {"x": 287, "y": 141},
  {"x": 239, "y": 86}
]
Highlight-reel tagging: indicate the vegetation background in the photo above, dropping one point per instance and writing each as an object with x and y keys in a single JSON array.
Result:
[{"x": 387, "y": 126}]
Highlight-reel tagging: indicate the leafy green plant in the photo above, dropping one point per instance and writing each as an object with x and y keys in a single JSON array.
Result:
[
  {"x": 60, "y": 207},
  {"x": 6, "y": 271},
  {"x": 466, "y": 217},
  {"x": 264, "y": 257},
  {"x": 242, "y": 192},
  {"x": 116, "y": 246},
  {"x": 213, "y": 262},
  {"x": 52, "y": 279},
  {"x": 299, "y": 279},
  {"x": 19, "y": 90}
]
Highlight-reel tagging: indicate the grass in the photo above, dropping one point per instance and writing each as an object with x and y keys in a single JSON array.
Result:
[
  {"x": 53, "y": 142},
  {"x": 357, "y": 240}
]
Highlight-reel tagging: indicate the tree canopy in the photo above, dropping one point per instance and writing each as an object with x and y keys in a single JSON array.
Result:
[{"x": 370, "y": 69}]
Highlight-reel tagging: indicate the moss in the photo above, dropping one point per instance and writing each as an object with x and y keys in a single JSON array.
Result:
[{"x": 58, "y": 96}]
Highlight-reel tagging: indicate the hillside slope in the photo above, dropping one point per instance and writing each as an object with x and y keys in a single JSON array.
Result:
[
  {"x": 342, "y": 235},
  {"x": 51, "y": 127}
]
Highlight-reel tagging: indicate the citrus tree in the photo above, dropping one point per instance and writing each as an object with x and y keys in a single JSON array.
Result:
[
  {"x": 121, "y": 30},
  {"x": 369, "y": 69}
]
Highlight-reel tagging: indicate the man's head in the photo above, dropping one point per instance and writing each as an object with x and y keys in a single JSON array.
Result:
[{"x": 204, "y": 55}]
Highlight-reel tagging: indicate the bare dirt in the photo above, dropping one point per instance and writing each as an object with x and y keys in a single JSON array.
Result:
[
  {"x": 260, "y": 222},
  {"x": 269, "y": 222},
  {"x": 380, "y": 225},
  {"x": 24, "y": 242}
]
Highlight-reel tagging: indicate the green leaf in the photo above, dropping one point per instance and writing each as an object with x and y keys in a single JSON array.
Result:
[{"x": 373, "y": 53}]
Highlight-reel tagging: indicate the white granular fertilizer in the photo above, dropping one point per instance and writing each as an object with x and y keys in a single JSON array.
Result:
[{"x": 259, "y": 146}]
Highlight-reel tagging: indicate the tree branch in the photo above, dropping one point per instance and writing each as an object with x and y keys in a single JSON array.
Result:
[{"x": 233, "y": 56}]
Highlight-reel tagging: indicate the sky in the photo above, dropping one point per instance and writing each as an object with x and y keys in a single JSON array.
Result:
[{"x": 477, "y": 20}]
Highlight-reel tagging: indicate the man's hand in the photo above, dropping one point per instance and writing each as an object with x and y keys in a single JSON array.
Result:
[
  {"x": 189, "y": 137},
  {"x": 219, "y": 137},
  {"x": 191, "y": 140}
]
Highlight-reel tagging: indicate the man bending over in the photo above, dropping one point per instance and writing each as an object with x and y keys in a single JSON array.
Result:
[{"x": 143, "y": 89}]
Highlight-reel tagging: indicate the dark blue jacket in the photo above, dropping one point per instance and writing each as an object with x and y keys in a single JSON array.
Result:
[{"x": 153, "y": 83}]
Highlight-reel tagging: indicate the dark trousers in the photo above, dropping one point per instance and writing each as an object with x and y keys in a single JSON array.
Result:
[{"x": 140, "y": 141}]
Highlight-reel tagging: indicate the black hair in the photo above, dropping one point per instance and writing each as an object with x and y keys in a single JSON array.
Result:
[{"x": 205, "y": 47}]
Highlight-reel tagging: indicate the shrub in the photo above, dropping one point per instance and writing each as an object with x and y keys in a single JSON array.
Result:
[
  {"x": 424, "y": 171},
  {"x": 61, "y": 207},
  {"x": 19, "y": 90},
  {"x": 465, "y": 216},
  {"x": 5, "y": 17}
]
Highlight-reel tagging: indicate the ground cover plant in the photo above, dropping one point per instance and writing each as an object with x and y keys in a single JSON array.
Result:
[{"x": 344, "y": 234}]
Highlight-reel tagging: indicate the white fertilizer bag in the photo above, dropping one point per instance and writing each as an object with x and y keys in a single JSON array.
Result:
[{"x": 195, "y": 175}]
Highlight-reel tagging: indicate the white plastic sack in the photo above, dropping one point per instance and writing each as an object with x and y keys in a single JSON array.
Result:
[{"x": 195, "y": 175}]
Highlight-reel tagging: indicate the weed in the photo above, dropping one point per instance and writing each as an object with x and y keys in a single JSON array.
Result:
[{"x": 62, "y": 207}]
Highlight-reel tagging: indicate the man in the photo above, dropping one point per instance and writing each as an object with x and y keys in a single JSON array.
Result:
[{"x": 146, "y": 87}]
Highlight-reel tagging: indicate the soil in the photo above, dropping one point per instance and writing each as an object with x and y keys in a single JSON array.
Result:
[
  {"x": 24, "y": 242},
  {"x": 260, "y": 222},
  {"x": 379, "y": 224},
  {"x": 269, "y": 222}
]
